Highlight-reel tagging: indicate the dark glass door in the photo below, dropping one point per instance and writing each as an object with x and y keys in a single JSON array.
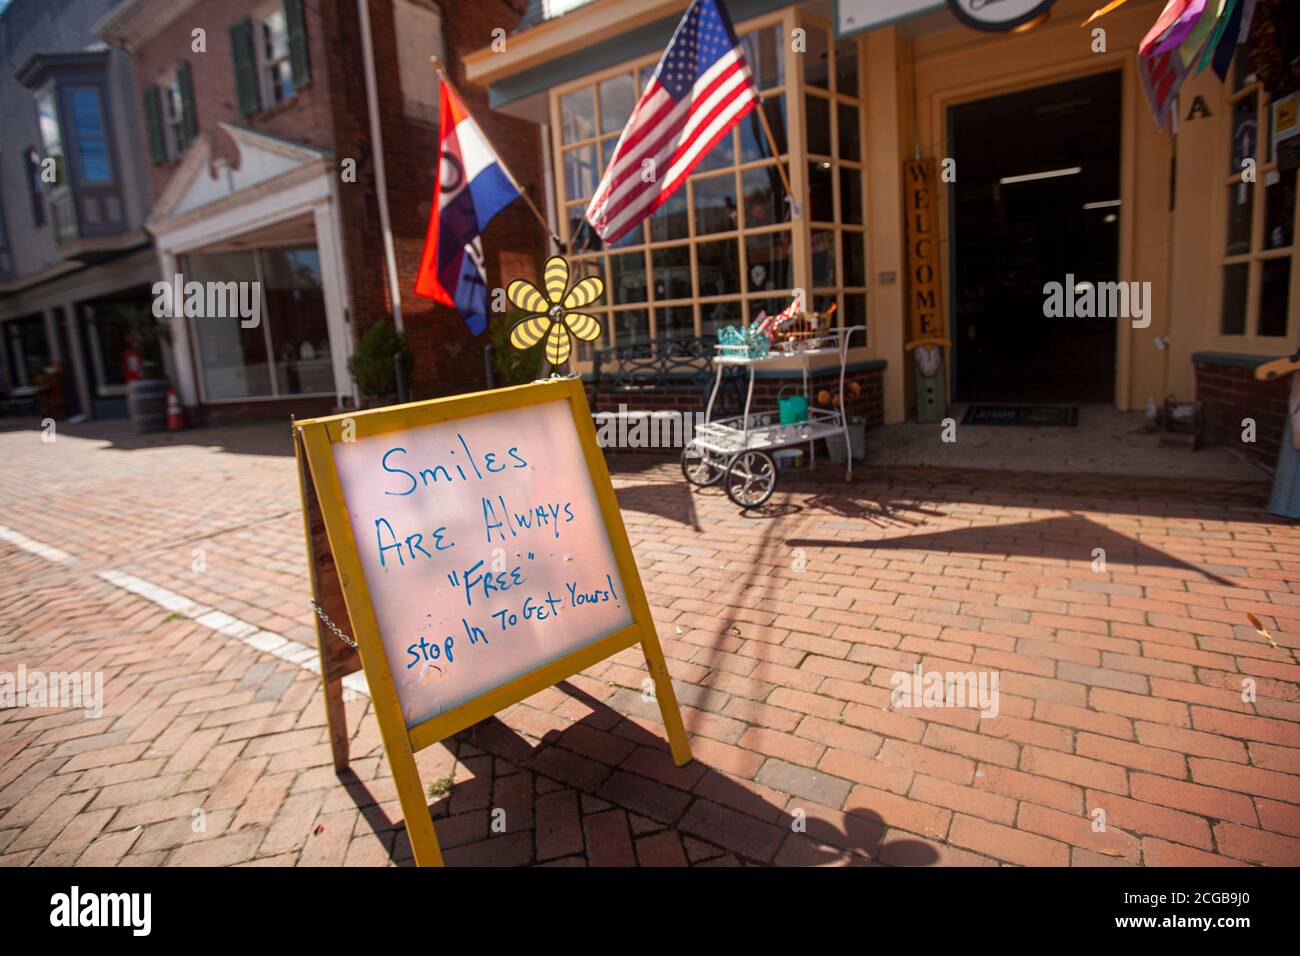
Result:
[{"x": 1036, "y": 201}]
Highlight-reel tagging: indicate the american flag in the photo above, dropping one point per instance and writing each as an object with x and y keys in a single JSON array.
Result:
[{"x": 700, "y": 90}]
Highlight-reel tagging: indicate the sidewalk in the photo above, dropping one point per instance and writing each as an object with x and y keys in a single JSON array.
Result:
[{"x": 175, "y": 566}]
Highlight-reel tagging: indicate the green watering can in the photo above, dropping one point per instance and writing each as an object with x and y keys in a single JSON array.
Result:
[{"x": 793, "y": 408}]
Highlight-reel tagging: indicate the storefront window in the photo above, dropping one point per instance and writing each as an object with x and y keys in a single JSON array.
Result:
[
  {"x": 718, "y": 246},
  {"x": 1258, "y": 282},
  {"x": 834, "y": 144},
  {"x": 288, "y": 352}
]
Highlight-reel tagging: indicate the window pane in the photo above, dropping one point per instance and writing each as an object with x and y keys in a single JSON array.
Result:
[
  {"x": 1274, "y": 295},
  {"x": 88, "y": 130},
  {"x": 1236, "y": 281},
  {"x": 855, "y": 313},
  {"x": 1245, "y": 132},
  {"x": 633, "y": 237},
  {"x": 818, "y": 115},
  {"x": 850, "y": 196},
  {"x": 846, "y": 67},
  {"x": 232, "y": 358},
  {"x": 295, "y": 307},
  {"x": 763, "y": 53},
  {"x": 673, "y": 321},
  {"x": 723, "y": 154},
  {"x": 582, "y": 238},
  {"x": 719, "y": 267},
  {"x": 850, "y": 133},
  {"x": 823, "y": 258},
  {"x": 627, "y": 276},
  {"x": 616, "y": 100},
  {"x": 669, "y": 220},
  {"x": 607, "y": 151},
  {"x": 1240, "y": 209},
  {"x": 855, "y": 258},
  {"x": 1244, "y": 73},
  {"x": 715, "y": 204},
  {"x": 767, "y": 256},
  {"x": 1279, "y": 212},
  {"x": 753, "y": 140},
  {"x": 632, "y": 326},
  {"x": 580, "y": 176},
  {"x": 821, "y": 198},
  {"x": 816, "y": 71},
  {"x": 578, "y": 115},
  {"x": 672, "y": 272},
  {"x": 764, "y": 197},
  {"x": 47, "y": 117},
  {"x": 717, "y": 315}
]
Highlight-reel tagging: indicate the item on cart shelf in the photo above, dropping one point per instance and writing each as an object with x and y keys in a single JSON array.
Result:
[
  {"x": 793, "y": 408},
  {"x": 751, "y": 342},
  {"x": 825, "y": 397},
  {"x": 1181, "y": 423},
  {"x": 770, "y": 324},
  {"x": 788, "y": 458},
  {"x": 808, "y": 330}
]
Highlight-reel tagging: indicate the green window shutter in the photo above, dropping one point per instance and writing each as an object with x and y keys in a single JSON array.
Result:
[
  {"x": 154, "y": 125},
  {"x": 298, "y": 60},
  {"x": 241, "y": 49},
  {"x": 189, "y": 114}
]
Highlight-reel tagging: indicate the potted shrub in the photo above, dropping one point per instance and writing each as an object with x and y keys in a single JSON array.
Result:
[
  {"x": 512, "y": 366},
  {"x": 146, "y": 395},
  {"x": 372, "y": 367}
]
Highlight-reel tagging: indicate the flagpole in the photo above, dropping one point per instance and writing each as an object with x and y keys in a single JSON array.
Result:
[
  {"x": 780, "y": 165},
  {"x": 443, "y": 75}
]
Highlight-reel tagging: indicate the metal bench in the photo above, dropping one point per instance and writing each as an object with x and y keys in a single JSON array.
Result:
[{"x": 679, "y": 364}]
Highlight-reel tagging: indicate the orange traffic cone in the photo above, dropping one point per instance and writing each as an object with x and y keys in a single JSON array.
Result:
[{"x": 175, "y": 416}]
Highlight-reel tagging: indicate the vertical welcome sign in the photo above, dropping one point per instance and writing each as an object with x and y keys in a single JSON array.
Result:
[{"x": 479, "y": 550}]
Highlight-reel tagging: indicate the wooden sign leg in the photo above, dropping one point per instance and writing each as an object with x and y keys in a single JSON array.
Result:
[
  {"x": 337, "y": 721},
  {"x": 415, "y": 808},
  {"x": 654, "y": 659}
]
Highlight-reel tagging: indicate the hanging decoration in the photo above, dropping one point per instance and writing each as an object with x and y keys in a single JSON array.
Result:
[
  {"x": 1187, "y": 37},
  {"x": 551, "y": 313}
]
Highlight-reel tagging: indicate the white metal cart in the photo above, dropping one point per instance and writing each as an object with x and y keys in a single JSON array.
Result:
[{"x": 737, "y": 450}]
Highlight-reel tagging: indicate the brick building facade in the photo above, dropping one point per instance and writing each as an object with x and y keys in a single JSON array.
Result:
[{"x": 279, "y": 156}]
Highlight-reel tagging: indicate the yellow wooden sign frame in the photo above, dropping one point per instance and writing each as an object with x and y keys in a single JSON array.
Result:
[{"x": 401, "y": 743}]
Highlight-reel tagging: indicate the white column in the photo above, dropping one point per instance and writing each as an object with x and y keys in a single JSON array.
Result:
[
  {"x": 334, "y": 285},
  {"x": 182, "y": 362}
]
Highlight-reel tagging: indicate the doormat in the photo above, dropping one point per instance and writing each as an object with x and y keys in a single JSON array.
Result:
[{"x": 1066, "y": 416}]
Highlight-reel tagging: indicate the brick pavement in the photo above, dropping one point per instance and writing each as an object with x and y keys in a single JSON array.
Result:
[{"x": 1120, "y": 690}]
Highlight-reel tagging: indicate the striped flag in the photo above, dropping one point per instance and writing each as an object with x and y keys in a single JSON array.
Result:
[
  {"x": 473, "y": 186},
  {"x": 700, "y": 90}
]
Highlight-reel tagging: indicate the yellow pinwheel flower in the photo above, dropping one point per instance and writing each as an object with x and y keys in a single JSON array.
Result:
[{"x": 551, "y": 312}]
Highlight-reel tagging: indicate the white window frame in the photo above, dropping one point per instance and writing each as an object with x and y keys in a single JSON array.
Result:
[{"x": 267, "y": 64}]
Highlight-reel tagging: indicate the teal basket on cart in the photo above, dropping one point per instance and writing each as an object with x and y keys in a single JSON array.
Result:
[{"x": 743, "y": 343}]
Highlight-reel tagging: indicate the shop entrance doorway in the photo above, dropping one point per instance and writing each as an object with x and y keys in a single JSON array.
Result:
[{"x": 1036, "y": 201}]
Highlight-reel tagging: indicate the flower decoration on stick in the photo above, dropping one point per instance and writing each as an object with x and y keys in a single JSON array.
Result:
[{"x": 552, "y": 314}]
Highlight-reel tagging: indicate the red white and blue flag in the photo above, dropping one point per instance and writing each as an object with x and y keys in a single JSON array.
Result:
[
  {"x": 700, "y": 90},
  {"x": 473, "y": 186}
]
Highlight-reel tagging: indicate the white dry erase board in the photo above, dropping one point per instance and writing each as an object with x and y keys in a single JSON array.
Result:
[
  {"x": 483, "y": 548},
  {"x": 474, "y": 548}
]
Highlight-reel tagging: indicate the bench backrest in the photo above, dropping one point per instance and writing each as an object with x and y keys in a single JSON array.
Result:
[{"x": 683, "y": 359}]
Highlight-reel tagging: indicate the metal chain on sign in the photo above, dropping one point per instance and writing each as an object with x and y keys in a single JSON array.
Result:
[{"x": 320, "y": 612}]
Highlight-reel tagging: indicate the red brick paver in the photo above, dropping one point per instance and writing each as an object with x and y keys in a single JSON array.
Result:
[{"x": 1141, "y": 719}]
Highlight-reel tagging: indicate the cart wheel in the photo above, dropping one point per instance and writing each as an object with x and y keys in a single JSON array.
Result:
[
  {"x": 699, "y": 467},
  {"x": 751, "y": 478}
]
